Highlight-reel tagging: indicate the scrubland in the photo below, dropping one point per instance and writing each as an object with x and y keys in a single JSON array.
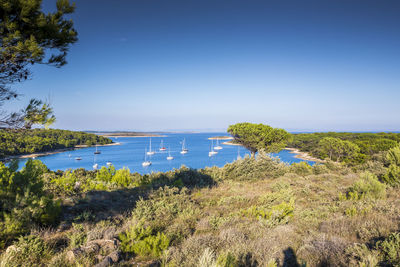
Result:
[{"x": 252, "y": 212}]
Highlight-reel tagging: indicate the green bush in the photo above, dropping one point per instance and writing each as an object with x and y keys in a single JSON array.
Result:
[
  {"x": 390, "y": 249},
  {"x": 301, "y": 168},
  {"x": 23, "y": 201},
  {"x": 368, "y": 186},
  {"x": 392, "y": 175},
  {"x": 30, "y": 250},
  {"x": 275, "y": 215},
  {"x": 144, "y": 242}
]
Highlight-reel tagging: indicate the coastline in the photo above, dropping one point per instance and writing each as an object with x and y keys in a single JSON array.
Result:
[
  {"x": 221, "y": 138},
  {"x": 134, "y": 136},
  {"x": 302, "y": 155},
  {"x": 41, "y": 154},
  {"x": 230, "y": 143}
]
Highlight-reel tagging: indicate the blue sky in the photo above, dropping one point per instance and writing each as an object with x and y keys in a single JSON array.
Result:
[{"x": 203, "y": 65}]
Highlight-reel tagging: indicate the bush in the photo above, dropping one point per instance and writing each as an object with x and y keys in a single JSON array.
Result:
[
  {"x": 23, "y": 201},
  {"x": 390, "y": 249},
  {"x": 275, "y": 215},
  {"x": 367, "y": 186},
  {"x": 30, "y": 250},
  {"x": 301, "y": 168},
  {"x": 392, "y": 175},
  {"x": 144, "y": 241}
]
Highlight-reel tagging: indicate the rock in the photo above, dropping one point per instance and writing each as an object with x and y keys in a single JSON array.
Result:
[
  {"x": 72, "y": 255},
  {"x": 91, "y": 248},
  {"x": 114, "y": 256}
]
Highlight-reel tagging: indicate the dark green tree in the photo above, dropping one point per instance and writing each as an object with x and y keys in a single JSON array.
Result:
[
  {"x": 28, "y": 36},
  {"x": 257, "y": 137}
]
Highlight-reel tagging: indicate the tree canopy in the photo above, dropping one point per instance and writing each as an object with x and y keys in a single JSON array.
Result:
[
  {"x": 257, "y": 137},
  {"x": 28, "y": 36}
]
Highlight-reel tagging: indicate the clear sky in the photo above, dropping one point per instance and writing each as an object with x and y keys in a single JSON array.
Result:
[{"x": 203, "y": 65}]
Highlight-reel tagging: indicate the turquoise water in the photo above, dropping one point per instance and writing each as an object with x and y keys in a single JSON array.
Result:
[{"x": 131, "y": 152}]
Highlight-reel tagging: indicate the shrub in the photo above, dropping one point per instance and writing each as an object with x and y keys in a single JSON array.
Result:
[
  {"x": 23, "y": 201},
  {"x": 301, "y": 168},
  {"x": 390, "y": 249},
  {"x": 367, "y": 186},
  {"x": 77, "y": 237},
  {"x": 31, "y": 250},
  {"x": 392, "y": 175},
  {"x": 144, "y": 241},
  {"x": 275, "y": 215},
  {"x": 122, "y": 177}
]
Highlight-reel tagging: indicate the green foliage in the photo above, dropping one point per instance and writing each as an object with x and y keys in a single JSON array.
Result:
[
  {"x": 257, "y": 137},
  {"x": 275, "y": 215},
  {"x": 23, "y": 200},
  {"x": 390, "y": 249},
  {"x": 144, "y": 241},
  {"x": 38, "y": 112},
  {"x": 302, "y": 168},
  {"x": 369, "y": 144},
  {"x": 337, "y": 149},
  {"x": 261, "y": 167},
  {"x": 77, "y": 237},
  {"x": 368, "y": 186},
  {"x": 392, "y": 175},
  {"x": 41, "y": 140},
  {"x": 30, "y": 250},
  {"x": 226, "y": 260}
]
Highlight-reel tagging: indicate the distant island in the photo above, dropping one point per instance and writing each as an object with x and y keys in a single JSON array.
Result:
[{"x": 127, "y": 134}]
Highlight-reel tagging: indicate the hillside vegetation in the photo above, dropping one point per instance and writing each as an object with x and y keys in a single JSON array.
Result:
[
  {"x": 17, "y": 142},
  {"x": 252, "y": 212},
  {"x": 352, "y": 148}
]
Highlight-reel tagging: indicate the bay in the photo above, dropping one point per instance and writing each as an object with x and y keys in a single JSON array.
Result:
[{"x": 131, "y": 152}]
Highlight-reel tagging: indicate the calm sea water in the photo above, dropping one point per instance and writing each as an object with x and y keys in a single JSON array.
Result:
[{"x": 131, "y": 152}]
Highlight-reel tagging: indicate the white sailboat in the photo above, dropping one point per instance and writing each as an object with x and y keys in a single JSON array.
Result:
[
  {"x": 169, "y": 155},
  {"x": 146, "y": 162},
  {"x": 162, "y": 148},
  {"x": 109, "y": 163},
  {"x": 212, "y": 152},
  {"x": 184, "y": 149},
  {"x": 238, "y": 155},
  {"x": 97, "y": 151},
  {"x": 218, "y": 147},
  {"x": 78, "y": 158},
  {"x": 95, "y": 166},
  {"x": 150, "y": 152}
]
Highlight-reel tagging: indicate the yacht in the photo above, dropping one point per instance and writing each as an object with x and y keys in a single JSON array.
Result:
[
  {"x": 109, "y": 163},
  {"x": 218, "y": 147},
  {"x": 146, "y": 162},
  {"x": 78, "y": 158},
  {"x": 184, "y": 149},
  {"x": 95, "y": 166},
  {"x": 97, "y": 151},
  {"x": 150, "y": 152},
  {"x": 162, "y": 148},
  {"x": 212, "y": 152},
  {"x": 169, "y": 155}
]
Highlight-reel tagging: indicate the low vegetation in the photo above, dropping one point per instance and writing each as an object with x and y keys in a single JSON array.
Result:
[
  {"x": 17, "y": 142},
  {"x": 252, "y": 212}
]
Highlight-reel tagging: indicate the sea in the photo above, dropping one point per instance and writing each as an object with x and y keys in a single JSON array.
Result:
[{"x": 130, "y": 153}]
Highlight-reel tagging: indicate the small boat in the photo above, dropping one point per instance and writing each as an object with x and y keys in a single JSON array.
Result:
[
  {"x": 146, "y": 162},
  {"x": 109, "y": 163},
  {"x": 212, "y": 152},
  {"x": 150, "y": 152},
  {"x": 97, "y": 151},
  {"x": 162, "y": 148},
  {"x": 184, "y": 149},
  {"x": 95, "y": 166},
  {"x": 78, "y": 158},
  {"x": 218, "y": 147},
  {"x": 169, "y": 155},
  {"x": 238, "y": 155}
]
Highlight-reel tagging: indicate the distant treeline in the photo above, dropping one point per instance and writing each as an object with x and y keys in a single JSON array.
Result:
[
  {"x": 17, "y": 142},
  {"x": 351, "y": 147}
]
